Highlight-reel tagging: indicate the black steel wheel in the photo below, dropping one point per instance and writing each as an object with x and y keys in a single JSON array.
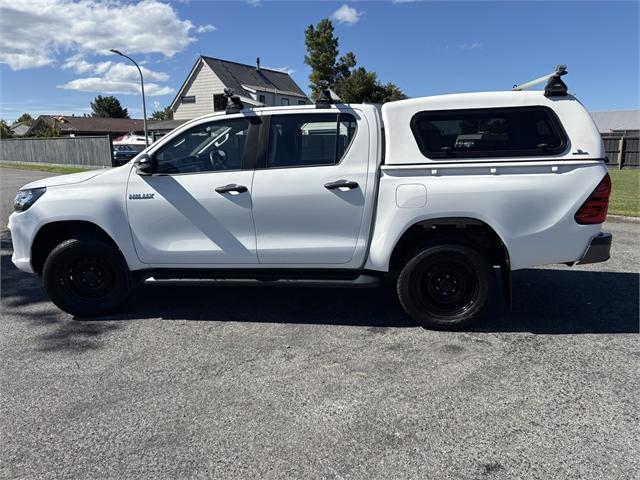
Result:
[
  {"x": 86, "y": 277},
  {"x": 446, "y": 286}
]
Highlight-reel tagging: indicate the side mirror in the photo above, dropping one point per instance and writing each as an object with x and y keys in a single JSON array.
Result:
[{"x": 145, "y": 165}]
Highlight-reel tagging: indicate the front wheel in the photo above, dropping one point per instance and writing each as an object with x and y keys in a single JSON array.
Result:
[
  {"x": 86, "y": 278},
  {"x": 446, "y": 287}
]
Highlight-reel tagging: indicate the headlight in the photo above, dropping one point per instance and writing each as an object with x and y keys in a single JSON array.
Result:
[{"x": 25, "y": 198}]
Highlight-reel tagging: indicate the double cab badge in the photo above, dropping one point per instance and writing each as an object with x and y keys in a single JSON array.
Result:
[{"x": 141, "y": 196}]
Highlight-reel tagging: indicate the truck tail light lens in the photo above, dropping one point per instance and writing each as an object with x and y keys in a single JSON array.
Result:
[{"x": 594, "y": 208}]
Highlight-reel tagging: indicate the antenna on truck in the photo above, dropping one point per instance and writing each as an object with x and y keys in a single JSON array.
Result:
[
  {"x": 326, "y": 97},
  {"x": 555, "y": 87}
]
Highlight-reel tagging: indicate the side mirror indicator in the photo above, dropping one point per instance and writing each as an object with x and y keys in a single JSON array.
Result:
[{"x": 145, "y": 165}]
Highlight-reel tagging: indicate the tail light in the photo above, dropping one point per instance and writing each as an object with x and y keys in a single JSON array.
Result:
[{"x": 594, "y": 208}]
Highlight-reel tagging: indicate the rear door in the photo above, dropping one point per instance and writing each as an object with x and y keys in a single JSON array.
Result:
[{"x": 310, "y": 187}]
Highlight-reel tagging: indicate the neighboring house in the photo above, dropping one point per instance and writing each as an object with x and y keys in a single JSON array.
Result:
[
  {"x": 203, "y": 90},
  {"x": 19, "y": 129},
  {"x": 617, "y": 120},
  {"x": 70, "y": 126}
]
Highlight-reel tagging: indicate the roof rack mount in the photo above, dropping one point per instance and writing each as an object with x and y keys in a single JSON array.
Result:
[
  {"x": 555, "y": 87},
  {"x": 234, "y": 104},
  {"x": 326, "y": 97}
]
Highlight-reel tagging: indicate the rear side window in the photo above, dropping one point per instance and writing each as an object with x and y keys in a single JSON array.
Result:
[
  {"x": 495, "y": 132},
  {"x": 304, "y": 140}
]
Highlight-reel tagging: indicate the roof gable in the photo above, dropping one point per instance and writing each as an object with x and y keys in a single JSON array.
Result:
[{"x": 238, "y": 75}]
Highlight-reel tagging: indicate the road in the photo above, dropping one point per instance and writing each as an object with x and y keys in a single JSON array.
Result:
[{"x": 305, "y": 383}]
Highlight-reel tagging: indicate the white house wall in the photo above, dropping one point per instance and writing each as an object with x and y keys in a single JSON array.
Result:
[{"x": 203, "y": 85}]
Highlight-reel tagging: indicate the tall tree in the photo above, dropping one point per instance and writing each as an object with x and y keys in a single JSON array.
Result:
[
  {"x": 5, "y": 131},
  {"x": 108, "y": 107},
  {"x": 352, "y": 84},
  {"x": 25, "y": 117},
  {"x": 166, "y": 114}
]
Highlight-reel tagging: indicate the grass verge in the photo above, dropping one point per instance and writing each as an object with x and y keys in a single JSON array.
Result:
[
  {"x": 41, "y": 167},
  {"x": 625, "y": 192}
]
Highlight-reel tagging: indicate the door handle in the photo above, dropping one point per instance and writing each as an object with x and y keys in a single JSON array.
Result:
[
  {"x": 232, "y": 188},
  {"x": 341, "y": 184}
]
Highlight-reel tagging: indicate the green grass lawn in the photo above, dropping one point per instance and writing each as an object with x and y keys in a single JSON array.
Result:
[
  {"x": 625, "y": 193},
  {"x": 45, "y": 168}
]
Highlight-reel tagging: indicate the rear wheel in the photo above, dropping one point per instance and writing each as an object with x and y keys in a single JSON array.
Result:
[
  {"x": 446, "y": 287},
  {"x": 86, "y": 277}
]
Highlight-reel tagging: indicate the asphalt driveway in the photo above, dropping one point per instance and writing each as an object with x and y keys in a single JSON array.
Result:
[{"x": 276, "y": 383}]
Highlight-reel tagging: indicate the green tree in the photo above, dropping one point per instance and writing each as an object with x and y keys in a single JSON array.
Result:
[
  {"x": 46, "y": 129},
  {"x": 352, "y": 84},
  {"x": 108, "y": 107},
  {"x": 166, "y": 114},
  {"x": 5, "y": 131},
  {"x": 26, "y": 118}
]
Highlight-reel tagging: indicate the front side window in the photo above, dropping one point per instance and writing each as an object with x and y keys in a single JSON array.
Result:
[
  {"x": 285, "y": 102},
  {"x": 309, "y": 139},
  {"x": 496, "y": 132},
  {"x": 214, "y": 146}
]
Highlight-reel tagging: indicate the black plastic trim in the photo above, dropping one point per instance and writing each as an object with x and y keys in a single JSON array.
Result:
[{"x": 599, "y": 249}]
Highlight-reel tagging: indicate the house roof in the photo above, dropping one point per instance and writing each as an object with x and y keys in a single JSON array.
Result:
[
  {"x": 239, "y": 76},
  {"x": 71, "y": 124},
  {"x": 617, "y": 120}
]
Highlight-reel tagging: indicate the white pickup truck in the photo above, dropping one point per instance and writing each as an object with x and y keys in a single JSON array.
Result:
[{"x": 442, "y": 195}]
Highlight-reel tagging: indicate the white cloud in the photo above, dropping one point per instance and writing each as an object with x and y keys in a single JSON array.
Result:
[
  {"x": 470, "y": 46},
  {"x": 346, "y": 14},
  {"x": 34, "y": 32},
  {"x": 205, "y": 29},
  {"x": 114, "y": 77},
  {"x": 255, "y": 3},
  {"x": 102, "y": 85},
  {"x": 287, "y": 70}
]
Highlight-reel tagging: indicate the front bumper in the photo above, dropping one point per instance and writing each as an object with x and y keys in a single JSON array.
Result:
[
  {"x": 598, "y": 250},
  {"x": 23, "y": 228}
]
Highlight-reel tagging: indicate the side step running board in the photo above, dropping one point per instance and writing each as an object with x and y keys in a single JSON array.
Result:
[{"x": 361, "y": 281}]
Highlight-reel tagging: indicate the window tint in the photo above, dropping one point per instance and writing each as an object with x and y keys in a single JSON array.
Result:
[
  {"x": 208, "y": 147},
  {"x": 498, "y": 132},
  {"x": 309, "y": 139}
]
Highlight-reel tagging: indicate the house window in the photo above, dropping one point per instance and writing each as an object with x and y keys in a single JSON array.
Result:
[
  {"x": 219, "y": 103},
  {"x": 262, "y": 99},
  {"x": 284, "y": 102},
  {"x": 301, "y": 102},
  {"x": 189, "y": 99},
  {"x": 491, "y": 132}
]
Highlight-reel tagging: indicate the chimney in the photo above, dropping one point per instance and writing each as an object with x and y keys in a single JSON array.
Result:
[{"x": 258, "y": 64}]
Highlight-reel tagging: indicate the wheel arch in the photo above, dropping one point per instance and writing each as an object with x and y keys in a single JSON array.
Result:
[
  {"x": 52, "y": 234},
  {"x": 471, "y": 231}
]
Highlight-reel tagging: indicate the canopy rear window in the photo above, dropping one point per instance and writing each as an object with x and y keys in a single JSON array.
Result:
[{"x": 486, "y": 133}]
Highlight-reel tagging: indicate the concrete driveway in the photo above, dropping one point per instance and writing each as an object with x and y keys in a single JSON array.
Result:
[{"x": 306, "y": 383}]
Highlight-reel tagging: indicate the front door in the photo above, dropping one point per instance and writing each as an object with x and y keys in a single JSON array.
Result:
[
  {"x": 196, "y": 208},
  {"x": 309, "y": 191}
]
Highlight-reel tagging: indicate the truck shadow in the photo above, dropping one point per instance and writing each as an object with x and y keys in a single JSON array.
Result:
[{"x": 545, "y": 302}]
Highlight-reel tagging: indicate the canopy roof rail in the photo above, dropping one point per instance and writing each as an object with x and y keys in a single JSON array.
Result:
[
  {"x": 555, "y": 87},
  {"x": 326, "y": 97},
  {"x": 234, "y": 104}
]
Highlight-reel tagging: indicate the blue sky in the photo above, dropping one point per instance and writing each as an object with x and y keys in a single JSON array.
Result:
[{"x": 54, "y": 59}]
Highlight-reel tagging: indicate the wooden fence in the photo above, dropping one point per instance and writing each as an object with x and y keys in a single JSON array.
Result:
[
  {"x": 622, "y": 148},
  {"x": 72, "y": 151}
]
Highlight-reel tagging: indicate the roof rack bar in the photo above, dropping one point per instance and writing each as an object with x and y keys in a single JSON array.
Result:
[{"x": 556, "y": 74}]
